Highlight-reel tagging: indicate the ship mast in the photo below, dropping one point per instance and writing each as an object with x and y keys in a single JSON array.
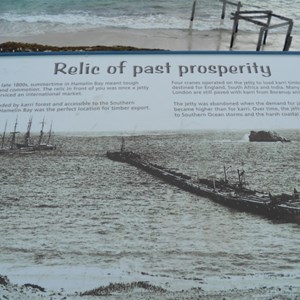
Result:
[
  {"x": 3, "y": 136},
  {"x": 41, "y": 132},
  {"x": 49, "y": 135},
  {"x": 13, "y": 137},
  {"x": 27, "y": 134}
]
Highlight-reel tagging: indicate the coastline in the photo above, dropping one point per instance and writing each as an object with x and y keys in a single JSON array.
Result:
[
  {"x": 264, "y": 286},
  {"x": 164, "y": 39}
]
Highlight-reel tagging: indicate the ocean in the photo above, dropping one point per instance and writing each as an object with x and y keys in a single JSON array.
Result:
[
  {"x": 29, "y": 17},
  {"x": 73, "y": 214}
]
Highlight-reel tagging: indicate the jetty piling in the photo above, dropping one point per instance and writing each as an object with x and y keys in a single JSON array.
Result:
[
  {"x": 225, "y": 2},
  {"x": 257, "y": 17},
  {"x": 261, "y": 18},
  {"x": 192, "y": 15}
]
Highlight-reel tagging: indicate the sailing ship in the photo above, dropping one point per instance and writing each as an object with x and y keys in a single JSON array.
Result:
[
  {"x": 27, "y": 145},
  {"x": 3, "y": 137},
  {"x": 10, "y": 147},
  {"x": 44, "y": 145},
  {"x": 280, "y": 207}
]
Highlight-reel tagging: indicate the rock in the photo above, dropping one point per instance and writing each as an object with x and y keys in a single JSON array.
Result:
[
  {"x": 266, "y": 136},
  {"x": 123, "y": 287},
  {"x": 4, "y": 280},
  {"x": 34, "y": 286}
]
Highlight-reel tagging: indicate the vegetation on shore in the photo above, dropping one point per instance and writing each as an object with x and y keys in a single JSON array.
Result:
[{"x": 28, "y": 47}]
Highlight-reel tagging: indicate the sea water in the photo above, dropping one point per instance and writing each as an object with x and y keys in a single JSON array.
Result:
[
  {"x": 78, "y": 219},
  {"x": 21, "y": 17}
]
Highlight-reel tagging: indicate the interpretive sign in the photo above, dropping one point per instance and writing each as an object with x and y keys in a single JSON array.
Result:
[
  {"x": 151, "y": 91},
  {"x": 161, "y": 175}
]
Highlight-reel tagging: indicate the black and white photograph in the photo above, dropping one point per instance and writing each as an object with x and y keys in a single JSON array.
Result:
[{"x": 166, "y": 215}]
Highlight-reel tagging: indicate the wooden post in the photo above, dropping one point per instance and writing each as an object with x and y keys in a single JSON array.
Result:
[
  {"x": 288, "y": 38},
  {"x": 234, "y": 28},
  {"x": 223, "y": 10},
  {"x": 288, "y": 43},
  {"x": 267, "y": 30},
  {"x": 193, "y": 14},
  {"x": 239, "y": 5},
  {"x": 260, "y": 38}
]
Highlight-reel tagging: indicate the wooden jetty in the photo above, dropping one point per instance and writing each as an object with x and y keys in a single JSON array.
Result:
[
  {"x": 255, "y": 17},
  {"x": 261, "y": 18}
]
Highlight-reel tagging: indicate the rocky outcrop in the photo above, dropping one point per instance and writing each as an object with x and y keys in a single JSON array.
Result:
[
  {"x": 4, "y": 280},
  {"x": 266, "y": 136}
]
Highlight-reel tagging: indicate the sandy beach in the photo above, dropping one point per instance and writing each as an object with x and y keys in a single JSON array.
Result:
[{"x": 165, "y": 39}]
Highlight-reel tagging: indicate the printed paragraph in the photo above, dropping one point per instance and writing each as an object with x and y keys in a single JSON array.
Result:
[
  {"x": 72, "y": 106},
  {"x": 215, "y": 109},
  {"x": 67, "y": 89},
  {"x": 221, "y": 88}
]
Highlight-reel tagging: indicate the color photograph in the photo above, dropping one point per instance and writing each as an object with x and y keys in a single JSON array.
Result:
[{"x": 149, "y": 150}]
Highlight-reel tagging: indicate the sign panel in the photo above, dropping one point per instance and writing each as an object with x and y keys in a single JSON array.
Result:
[
  {"x": 151, "y": 185},
  {"x": 153, "y": 91}
]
